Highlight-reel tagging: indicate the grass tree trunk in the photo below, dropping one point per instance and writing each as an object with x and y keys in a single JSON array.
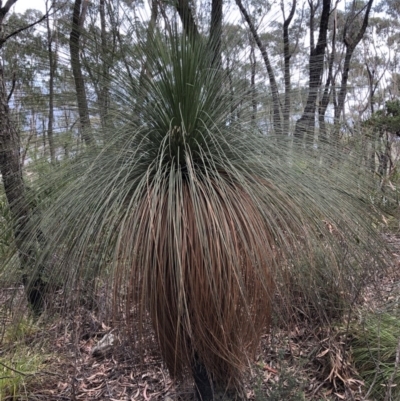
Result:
[
  {"x": 203, "y": 383},
  {"x": 78, "y": 17}
]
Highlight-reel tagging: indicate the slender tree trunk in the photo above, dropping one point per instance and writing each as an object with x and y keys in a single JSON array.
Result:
[
  {"x": 14, "y": 187},
  {"x": 150, "y": 30},
  {"x": 323, "y": 105},
  {"x": 287, "y": 56},
  {"x": 216, "y": 32},
  {"x": 78, "y": 18},
  {"x": 272, "y": 81},
  {"x": 351, "y": 41},
  {"x": 372, "y": 89},
  {"x": 52, "y": 68},
  {"x": 105, "y": 75},
  {"x": 11, "y": 170},
  {"x": 231, "y": 90},
  {"x": 305, "y": 126},
  {"x": 186, "y": 16},
  {"x": 253, "y": 83}
]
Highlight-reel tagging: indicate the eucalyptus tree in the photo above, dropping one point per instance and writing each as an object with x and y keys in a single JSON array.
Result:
[
  {"x": 11, "y": 168},
  {"x": 78, "y": 19},
  {"x": 327, "y": 89},
  {"x": 24, "y": 59},
  {"x": 216, "y": 31},
  {"x": 277, "y": 112},
  {"x": 103, "y": 46},
  {"x": 186, "y": 15},
  {"x": 287, "y": 54},
  {"x": 52, "y": 55},
  {"x": 353, "y": 31},
  {"x": 27, "y": 58},
  {"x": 305, "y": 126}
]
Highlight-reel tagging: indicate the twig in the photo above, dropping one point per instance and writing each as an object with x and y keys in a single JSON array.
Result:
[
  {"x": 15, "y": 370},
  {"x": 46, "y": 372},
  {"x": 269, "y": 369},
  {"x": 16, "y": 32}
]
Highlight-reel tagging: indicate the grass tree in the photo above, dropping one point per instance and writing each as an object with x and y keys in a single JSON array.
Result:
[{"x": 191, "y": 218}]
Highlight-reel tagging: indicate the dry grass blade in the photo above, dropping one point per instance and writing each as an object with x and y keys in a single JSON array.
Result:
[{"x": 201, "y": 263}]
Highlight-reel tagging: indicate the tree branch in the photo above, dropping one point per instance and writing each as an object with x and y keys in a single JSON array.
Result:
[
  {"x": 271, "y": 75},
  {"x": 12, "y": 88},
  {"x": 3, "y": 40},
  {"x": 83, "y": 14},
  {"x": 4, "y": 10},
  {"x": 15, "y": 370}
]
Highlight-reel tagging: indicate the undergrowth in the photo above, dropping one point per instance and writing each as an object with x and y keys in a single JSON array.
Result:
[
  {"x": 22, "y": 357},
  {"x": 375, "y": 343},
  {"x": 19, "y": 371}
]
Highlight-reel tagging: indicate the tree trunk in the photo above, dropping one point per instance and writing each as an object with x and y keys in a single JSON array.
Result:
[
  {"x": 52, "y": 68},
  {"x": 351, "y": 41},
  {"x": 104, "y": 79},
  {"x": 216, "y": 32},
  {"x": 323, "y": 105},
  {"x": 305, "y": 126},
  {"x": 253, "y": 62},
  {"x": 14, "y": 187},
  {"x": 272, "y": 81},
  {"x": 287, "y": 56},
  {"x": 78, "y": 17},
  {"x": 186, "y": 16}
]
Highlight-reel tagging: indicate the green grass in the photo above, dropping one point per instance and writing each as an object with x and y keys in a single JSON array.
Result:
[
  {"x": 376, "y": 350},
  {"x": 18, "y": 372},
  {"x": 22, "y": 357}
]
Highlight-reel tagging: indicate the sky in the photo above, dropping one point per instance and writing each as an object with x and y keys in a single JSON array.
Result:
[{"x": 22, "y": 5}]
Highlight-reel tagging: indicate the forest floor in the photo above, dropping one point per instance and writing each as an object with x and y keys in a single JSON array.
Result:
[{"x": 303, "y": 363}]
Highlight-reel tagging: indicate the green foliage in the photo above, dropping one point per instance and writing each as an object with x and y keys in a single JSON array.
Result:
[
  {"x": 20, "y": 361},
  {"x": 20, "y": 332},
  {"x": 15, "y": 374},
  {"x": 376, "y": 351},
  {"x": 387, "y": 119}
]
